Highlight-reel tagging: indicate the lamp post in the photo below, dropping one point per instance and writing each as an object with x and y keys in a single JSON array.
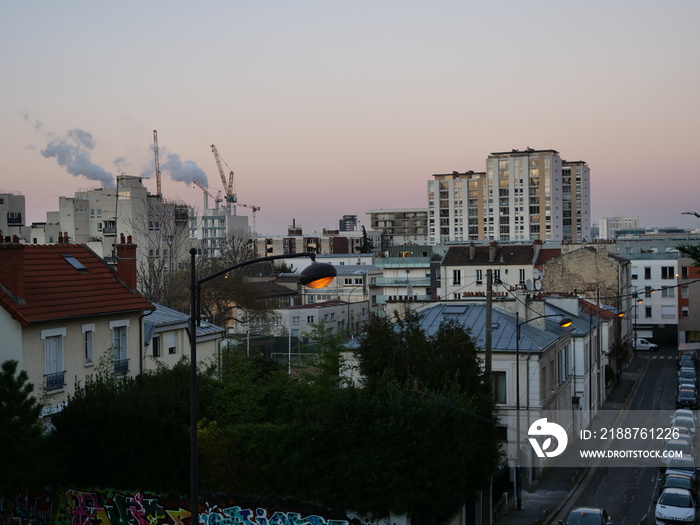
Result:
[
  {"x": 563, "y": 322},
  {"x": 316, "y": 275}
]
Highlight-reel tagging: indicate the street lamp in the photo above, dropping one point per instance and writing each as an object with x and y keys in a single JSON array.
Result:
[
  {"x": 316, "y": 275},
  {"x": 563, "y": 322}
]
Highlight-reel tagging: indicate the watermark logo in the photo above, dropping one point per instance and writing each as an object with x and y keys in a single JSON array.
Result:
[{"x": 542, "y": 427}]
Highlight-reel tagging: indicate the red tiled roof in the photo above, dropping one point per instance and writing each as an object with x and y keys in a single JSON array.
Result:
[{"x": 55, "y": 289}]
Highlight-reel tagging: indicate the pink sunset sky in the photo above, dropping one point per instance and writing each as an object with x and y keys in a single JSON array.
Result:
[{"x": 326, "y": 108}]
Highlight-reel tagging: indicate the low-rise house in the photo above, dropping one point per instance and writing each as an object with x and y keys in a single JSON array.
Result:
[
  {"x": 63, "y": 311},
  {"x": 167, "y": 338}
]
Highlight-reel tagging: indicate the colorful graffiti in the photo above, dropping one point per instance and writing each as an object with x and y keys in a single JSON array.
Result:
[
  {"x": 238, "y": 516},
  {"x": 113, "y": 507}
]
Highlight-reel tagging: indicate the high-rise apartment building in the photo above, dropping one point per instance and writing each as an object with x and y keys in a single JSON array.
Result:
[
  {"x": 456, "y": 207},
  {"x": 523, "y": 196}
]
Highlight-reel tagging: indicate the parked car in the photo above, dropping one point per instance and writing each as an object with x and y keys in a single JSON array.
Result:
[
  {"x": 687, "y": 398},
  {"x": 587, "y": 516},
  {"x": 684, "y": 466},
  {"x": 687, "y": 373},
  {"x": 645, "y": 344},
  {"x": 684, "y": 446},
  {"x": 685, "y": 413},
  {"x": 678, "y": 481},
  {"x": 675, "y": 505},
  {"x": 686, "y": 360}
]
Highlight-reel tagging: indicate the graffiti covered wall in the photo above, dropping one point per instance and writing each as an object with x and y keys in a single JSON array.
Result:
[{"x": 114, "y": 507}]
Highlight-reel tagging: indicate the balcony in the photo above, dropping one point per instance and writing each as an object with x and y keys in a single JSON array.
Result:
[
  {"x": 55, "y": 381},
  {"x": 121, "y": 367}
]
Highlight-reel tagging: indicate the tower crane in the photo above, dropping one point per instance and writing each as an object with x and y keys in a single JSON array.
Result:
[
  {"x": 254, "y": 210},
  {"x": 155, "y": 152},
  {"x": 206, "y": 192},
  {"x": 231, "y": 197}
]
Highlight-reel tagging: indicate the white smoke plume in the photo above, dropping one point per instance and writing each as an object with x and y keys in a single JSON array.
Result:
[
  {"x": 187, "y": 171},
  {"x": 73, "y": 152}
]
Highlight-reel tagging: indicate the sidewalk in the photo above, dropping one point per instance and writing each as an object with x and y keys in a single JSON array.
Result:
[{"x": 554, "y": 490}]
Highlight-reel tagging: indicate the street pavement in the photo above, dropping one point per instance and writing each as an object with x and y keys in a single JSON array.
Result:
[{"x": 552, "y": 494}]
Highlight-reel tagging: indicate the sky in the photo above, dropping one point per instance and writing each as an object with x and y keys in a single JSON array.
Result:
[{"x": 323, "y": 108}]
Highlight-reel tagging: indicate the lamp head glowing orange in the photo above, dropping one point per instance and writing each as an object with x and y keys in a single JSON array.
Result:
[{"x": 317, "y": 275}]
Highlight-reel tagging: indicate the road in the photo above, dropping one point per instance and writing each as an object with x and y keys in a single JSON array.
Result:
[{"x": 628, "y": 493}]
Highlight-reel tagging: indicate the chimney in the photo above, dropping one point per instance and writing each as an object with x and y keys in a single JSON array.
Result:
[
  {"x": 472, "y": 251},
  {"x": 12, "y": 268},
  {"x": 126, "y": 261},
  {"x": 60, "y": 237},
  {"x": 492, "y": 251}
]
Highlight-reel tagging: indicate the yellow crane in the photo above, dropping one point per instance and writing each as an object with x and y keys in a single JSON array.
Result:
[
  {"x": 231, "y": 197},
  {"x": 155, "y": 152}
]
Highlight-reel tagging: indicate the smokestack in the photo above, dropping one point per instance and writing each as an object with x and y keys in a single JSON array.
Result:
[
  {"x": 12, "y": 268},
  {"x": 126, "y": 261}
]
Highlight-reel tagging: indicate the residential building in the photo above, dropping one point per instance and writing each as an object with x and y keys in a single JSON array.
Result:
[
  {"x": 655, "y": 282},
  {"x": 167, "y": 338},
  {"x": 609, "y": 226},
  {"x": 456, "y": 207},
  {"x": 535, "y": 195},
  {"x": 328, "y": 242},
  {"x": 688, "y": 301},
  {"x": 464, "y": 269},
  {"x": 397, "y": 227},
  {"x": 12, "y": 213},
  {"x": 64, "y": 311},
  {"x": 348, "y": 223},
  {"x": 404, "y": 279}
]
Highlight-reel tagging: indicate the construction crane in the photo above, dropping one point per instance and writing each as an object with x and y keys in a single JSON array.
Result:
[
  {"x": 254, "y": 209},
  {"x": 231, "y": 197},
  {"x": 206, "y": 192},
  {"x": 155, "y": 152}
]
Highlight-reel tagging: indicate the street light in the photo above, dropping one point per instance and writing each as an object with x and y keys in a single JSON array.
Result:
[
  {"x": 316, "y": 275},
  {"x": 563, "y": 322}
]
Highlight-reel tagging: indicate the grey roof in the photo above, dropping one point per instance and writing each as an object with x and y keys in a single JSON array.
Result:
[
  {"x": 503, "y": 335},
  {"x": 164, "y": 317}
]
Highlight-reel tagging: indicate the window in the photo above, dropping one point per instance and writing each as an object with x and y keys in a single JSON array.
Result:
[
  {"x": 310, "y": 319},
  {"x": 479, "y": 276},
  {"x": 684, "y": 291},
  {"x": 668, "y": 311},
  {"x": 53, "y": 358},
  {"x": 647, "y": 272},
  {"x": 499, "y": 387},
  {"x": 456, "y": 276},
  {"x": 647, "y": 291},
  {"x": 496, "y": 279},
  {"x": 120, "y": 346},
  {"x": 668, "y": 292},
  {"x": 172, "y": 344},
  {"x": 88, "y": 337},
  {"x": 647, "y": 311},
  {"x": 635, "y": 272},
  {"x": 157, "y": 349},
  {"x": 667, "y": 272},
  {"x": 521, "y": 277},
  {"x": 685, "y": 312},
  {"x": 684, "y": 272}
]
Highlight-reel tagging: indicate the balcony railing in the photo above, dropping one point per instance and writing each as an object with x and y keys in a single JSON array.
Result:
[
  {"x": 55, "y": 381},
  {"x": 121, "y": 366}
]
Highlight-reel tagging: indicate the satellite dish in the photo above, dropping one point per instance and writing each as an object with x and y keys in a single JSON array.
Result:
[
  {"x": 538, "y": 285},
  {"x": 535, "y": 273},
  {"x": 528, "y": 284}
]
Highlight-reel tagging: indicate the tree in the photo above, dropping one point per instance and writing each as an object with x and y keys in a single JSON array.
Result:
[
  {"x": 22, "y": 445},
  {"x": 692, "y": 251},
  {"x": 367, "y": 246},
  {"x": 132, "y": 432}
]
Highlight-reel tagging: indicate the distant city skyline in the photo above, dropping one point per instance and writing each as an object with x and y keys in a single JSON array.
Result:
[{"x": 326, "y": 109}]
